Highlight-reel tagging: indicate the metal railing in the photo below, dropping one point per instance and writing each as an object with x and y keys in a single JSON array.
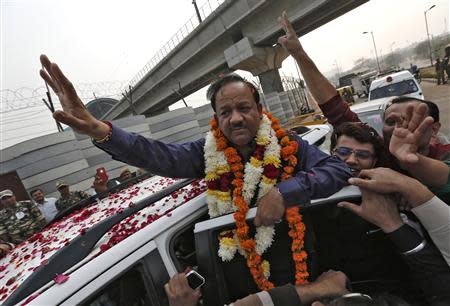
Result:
[{"x": 205, "y": 10}]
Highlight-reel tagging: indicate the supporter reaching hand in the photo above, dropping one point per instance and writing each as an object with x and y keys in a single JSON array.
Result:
[
  {"x": 74, "y": 113},
  {"x": 408, "y": 132},
  {"x": 388, "y": 181},
  {"x": 376, "y": 208}
]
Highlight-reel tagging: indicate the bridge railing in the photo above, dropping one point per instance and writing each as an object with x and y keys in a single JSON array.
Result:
[{"x": 205, "y": 10}]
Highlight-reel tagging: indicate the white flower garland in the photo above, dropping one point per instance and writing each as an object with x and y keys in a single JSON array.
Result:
[{"x": 220, "y": 203}]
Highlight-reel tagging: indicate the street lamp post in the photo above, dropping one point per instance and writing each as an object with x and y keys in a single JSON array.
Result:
[
  {"x": 428, "y": 33},
  {"x": 197, "y": 11},
  {"x": 375, "y": 47}
]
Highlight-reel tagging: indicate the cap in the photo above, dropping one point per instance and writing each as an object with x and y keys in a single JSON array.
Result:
[
  {"x": 124, "y": 170},
  {"x": 60, "y": 184},
  {"x": 6, "y": 193}
]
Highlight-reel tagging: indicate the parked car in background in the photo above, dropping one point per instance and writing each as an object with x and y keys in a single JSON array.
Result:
[{"x": 400, "y": 83}]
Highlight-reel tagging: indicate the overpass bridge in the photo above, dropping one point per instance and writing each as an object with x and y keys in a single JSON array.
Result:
[{"x": 237, "y": 34}]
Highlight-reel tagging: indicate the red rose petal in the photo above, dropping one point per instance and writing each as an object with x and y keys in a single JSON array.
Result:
[{"x": 61, "y": 278}]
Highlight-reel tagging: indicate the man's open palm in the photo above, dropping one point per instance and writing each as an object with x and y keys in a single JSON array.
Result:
[
  {"x": 74, "y": 112},
  {"x": 408, "y": 131}
]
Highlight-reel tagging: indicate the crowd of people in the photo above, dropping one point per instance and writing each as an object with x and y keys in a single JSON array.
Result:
[
  {"x": 399, "y": 234},
  {"x": 19, "y": 220}
]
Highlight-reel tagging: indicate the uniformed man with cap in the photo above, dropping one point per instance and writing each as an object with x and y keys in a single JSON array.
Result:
[
  {"x": 19, "y": 220},
  {"x": 68, "y": 198}
]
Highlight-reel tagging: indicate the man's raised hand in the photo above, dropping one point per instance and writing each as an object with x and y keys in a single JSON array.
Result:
[
  {"x": 289, "y": 41},
  {"x": 408, "y": 132},
  {"x": 74, "y": 112}
]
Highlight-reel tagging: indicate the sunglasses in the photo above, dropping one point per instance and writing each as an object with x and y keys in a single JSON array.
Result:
[{"x": 345, "y": 152}]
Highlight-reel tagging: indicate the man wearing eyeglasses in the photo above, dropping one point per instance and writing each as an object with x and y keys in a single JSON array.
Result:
[{"x": 359, "y": 146}]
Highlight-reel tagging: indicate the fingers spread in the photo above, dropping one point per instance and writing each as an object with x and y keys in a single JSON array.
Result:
[
  {"x": 418, "y": 114},
  {"x": 47, "y": 64},
  {"x": 49, "y": 80},
  {"x": 424, "y": 126},
  {"x": 65, "y": 83}
]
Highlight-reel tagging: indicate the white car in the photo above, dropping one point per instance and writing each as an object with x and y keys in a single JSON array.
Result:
[
  {"x": 121, "y": 250},
  {"x": 372, "y": 112},
  {"x": 400, "y": 83}
]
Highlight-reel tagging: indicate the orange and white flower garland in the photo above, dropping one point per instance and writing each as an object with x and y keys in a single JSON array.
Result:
[{"x": 231, "y": 187}]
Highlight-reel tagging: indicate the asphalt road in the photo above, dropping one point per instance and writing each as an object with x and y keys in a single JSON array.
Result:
[{"x": 439, "y": 94}]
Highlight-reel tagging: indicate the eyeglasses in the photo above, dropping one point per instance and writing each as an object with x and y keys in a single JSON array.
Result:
[
  {"x": 345, "y": 152},
  {"x": 352, "y": 299}
]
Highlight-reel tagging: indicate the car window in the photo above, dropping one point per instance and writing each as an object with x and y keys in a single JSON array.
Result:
[
  {"x": 374, "y": 119},
  {"x": 128, "y": 289},
  {"x": 396, "y": 89},
  {"x": 182, "y": 246}
]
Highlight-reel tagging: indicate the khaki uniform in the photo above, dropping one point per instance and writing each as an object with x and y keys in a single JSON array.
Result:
[
  {"x": 20, "y": 221},
  {"x": 72, "y": 199}
]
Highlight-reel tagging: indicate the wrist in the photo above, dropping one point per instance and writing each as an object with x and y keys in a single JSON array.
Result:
[
  {"x": 416, "y": 193},
  {"x": 103, "y": 132},
  {"x": 391, "y": 225},
  {"x": 100, "y": 130}
]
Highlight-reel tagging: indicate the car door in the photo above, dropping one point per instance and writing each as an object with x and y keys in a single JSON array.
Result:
[{"x": 215, "y": 289}]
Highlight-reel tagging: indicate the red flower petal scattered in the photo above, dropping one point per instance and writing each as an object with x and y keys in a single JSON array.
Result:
[{"x": 61, "y": 278}]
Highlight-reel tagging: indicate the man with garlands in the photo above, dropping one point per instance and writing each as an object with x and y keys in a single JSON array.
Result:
[{"x": 248, "y": 160}]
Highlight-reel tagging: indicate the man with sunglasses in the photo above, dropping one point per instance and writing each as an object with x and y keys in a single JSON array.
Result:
[{"x": 359, "y": 146}]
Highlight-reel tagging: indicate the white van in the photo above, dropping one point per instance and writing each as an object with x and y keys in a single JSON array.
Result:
[{"x": 400, "y": 83}]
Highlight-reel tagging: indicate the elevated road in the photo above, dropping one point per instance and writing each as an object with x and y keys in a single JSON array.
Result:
[{"x": 239, "y": 34}]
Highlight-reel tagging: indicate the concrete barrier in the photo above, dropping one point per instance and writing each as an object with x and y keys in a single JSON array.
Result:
[
  {"x": 177, "y": 126},
  {"x": 274, "y": 106},
  {"x": 204, "y": 114}
]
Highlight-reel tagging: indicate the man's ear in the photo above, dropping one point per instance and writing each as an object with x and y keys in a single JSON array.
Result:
[
  {"x": 259, "y": 106},
  {"x": 217, "y": 119}
]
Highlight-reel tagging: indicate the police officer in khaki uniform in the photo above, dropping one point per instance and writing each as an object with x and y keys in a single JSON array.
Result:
[
  {"x": 68, "y": 198},
  {"x": 18, "y": 220}
]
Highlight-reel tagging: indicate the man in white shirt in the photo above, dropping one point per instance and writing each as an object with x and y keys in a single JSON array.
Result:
[{"x": 45, "y": 205}]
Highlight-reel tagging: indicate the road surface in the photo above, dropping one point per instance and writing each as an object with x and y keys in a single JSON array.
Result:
[{"x": 439, "y": 94}]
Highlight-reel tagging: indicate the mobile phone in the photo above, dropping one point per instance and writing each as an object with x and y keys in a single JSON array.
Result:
[
  {"x": 101, "y": 173},
  {"x": 195, "y": 280}
]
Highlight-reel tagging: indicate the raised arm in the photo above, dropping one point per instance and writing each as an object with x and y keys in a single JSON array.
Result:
[
  {"x": 321, "y": 89},
  {"x": 330, "y": 102},
  {"x": 74, "y": 113}
]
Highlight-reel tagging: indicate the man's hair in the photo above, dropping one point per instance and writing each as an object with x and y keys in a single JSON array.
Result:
[
  {"x": 362, "y": 133},
  {"x": 230, "y": 78},
  {"x": 34, "y": 190},
  {"x": 433, "y": 109}
]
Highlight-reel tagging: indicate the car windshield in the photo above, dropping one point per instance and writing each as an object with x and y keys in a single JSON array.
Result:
[{"x": 396, "y": 89}]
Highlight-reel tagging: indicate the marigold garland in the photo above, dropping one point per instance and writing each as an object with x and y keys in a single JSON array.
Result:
[{"x": 272, "y": 171}]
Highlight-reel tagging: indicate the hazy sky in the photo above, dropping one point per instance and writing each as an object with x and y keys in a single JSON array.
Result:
[{"x": 97, "y": 41}]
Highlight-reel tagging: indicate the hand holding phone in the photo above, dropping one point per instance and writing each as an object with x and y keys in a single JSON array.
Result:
[{"x": 195, "y": 280}]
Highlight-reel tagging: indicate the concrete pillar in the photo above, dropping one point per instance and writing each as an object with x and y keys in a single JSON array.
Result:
[
  {"x": 286, "y": 105},
  {"x": 271, "y": 81},
  {"x": 275, "y": 106},
  {"x": 263, "y": 62}
]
